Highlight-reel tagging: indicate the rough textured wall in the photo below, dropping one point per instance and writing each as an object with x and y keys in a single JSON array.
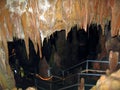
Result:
[{"x": 37, "y": 19}]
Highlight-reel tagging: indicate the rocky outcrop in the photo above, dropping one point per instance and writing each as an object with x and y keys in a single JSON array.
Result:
[
  {"x": 108, "y": 82},
  {"x": 37, "y": 19}
]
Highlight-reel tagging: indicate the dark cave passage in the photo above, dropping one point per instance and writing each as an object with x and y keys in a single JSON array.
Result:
[
  {"x": 77, "y": 47},
  {"x": 58, "y": 51},
  {"x": 21, "y": 66}
]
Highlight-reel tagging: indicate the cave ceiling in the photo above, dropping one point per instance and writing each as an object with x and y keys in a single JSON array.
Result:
[{"x": 38, "y": 19}]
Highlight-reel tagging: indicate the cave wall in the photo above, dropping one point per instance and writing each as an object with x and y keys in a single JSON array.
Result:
[{"x": 37, "y": 19}]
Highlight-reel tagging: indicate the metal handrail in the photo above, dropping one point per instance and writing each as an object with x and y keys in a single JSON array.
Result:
[
  {"x": 77, "y": 84},
  {"x": 87, "y": 61},
  {"x": 97, "y": 61},
  {"x": 75, "y": 66},
  {"x": 41, "y": 88},
  {"x": 92, "y": 72},
  {"x": 69, "y": 86}
]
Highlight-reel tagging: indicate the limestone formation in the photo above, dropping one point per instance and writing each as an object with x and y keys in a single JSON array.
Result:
[
  {"x": 38, "y": 19},
  {"x": 108, "y": 82}
]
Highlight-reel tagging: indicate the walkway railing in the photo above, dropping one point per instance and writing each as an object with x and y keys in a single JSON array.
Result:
[
  {"x": 72, "y": 81},
  {"x": 89, "y": 80},
  {"x": 87, "y": 65}
]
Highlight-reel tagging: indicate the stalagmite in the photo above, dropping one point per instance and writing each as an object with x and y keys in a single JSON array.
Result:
[
  {"x": 113, "y": 60},
  {"x": 82, "y": 84},
  {"x": 59, "y": 14}
]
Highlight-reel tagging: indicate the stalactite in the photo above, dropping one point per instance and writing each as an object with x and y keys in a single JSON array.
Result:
[
  {"x": 59, "y": 23},
  {"x": 77, "y": 8},
  {"x": 86, "y": 16},
  {"x": 9, "y": 26},
  {"x": 25, "y": 28},
  {"x": 48, "y": 16},
  {"x": 115, "y": 17},
  {"x": 17, "y": 28},
  {"x": 36, "y": 36},
  {"x": 59, "y": 14},
  {"x": 38, "y": 19},
  {"x": 34, "y": 29},
  {"x": 66, "y": 12}
]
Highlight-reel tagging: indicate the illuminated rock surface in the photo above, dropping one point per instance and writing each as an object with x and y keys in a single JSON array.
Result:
[
  {"x": 111, "y": 82},
  {"x": 37, "y": 19}
]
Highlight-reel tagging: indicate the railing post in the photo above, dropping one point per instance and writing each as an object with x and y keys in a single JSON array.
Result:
[
  {"x": 63, "y": 76},
  {"x": 51, "y": 86},
  {"x": 87, "y": 65},
  {"x": 78, "y": 78},
  {"x": 35, "y": 81}
]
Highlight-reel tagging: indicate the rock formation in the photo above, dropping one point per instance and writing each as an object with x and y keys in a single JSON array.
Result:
[
  {"x": 37, "y": 19},
  {"x": 108, "y": 82}
]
